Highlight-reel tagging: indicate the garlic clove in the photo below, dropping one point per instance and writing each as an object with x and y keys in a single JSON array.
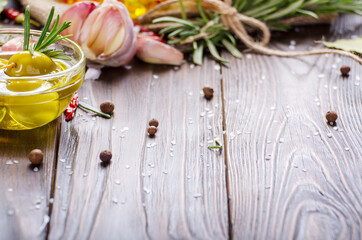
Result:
[
  {"x": 15, "y": 44},
  {"x": 77, "y": 14},
  {"x": 107, "y": 36},
  {"x": 152, "y": 51}
]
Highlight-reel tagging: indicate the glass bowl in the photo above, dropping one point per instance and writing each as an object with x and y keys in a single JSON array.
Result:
[{"x": 31, "y": 102}]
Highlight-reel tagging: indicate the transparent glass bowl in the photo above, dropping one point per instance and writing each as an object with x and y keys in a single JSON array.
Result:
[{"x": 31, "y": 102}]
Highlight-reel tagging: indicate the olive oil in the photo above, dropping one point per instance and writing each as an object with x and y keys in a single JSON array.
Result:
[{"x": 27, "y": 104}]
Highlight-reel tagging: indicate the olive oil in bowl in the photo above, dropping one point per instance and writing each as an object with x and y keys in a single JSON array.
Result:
[{"x": 28, "y": 102}]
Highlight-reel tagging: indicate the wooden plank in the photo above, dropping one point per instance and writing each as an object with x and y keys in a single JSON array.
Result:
[
  {"x": 291, "y": 175},
  {"x": 25, "y": 189},
  {"x": 170, "y": 186}
]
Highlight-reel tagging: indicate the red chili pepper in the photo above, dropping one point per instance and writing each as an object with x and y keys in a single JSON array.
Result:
[
  {"x": 17, "y": 16},
  {"x": 70, "y": 111}
]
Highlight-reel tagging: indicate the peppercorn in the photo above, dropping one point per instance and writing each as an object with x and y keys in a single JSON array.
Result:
[
  {"x": 208, "y": 92},
  {"x": 107, "y": 107},
  {"x": 36, "y": 156},
  {"x": 153, "y": 122},
  {"x": 106, "y": 156},
  {"x": 345, "y": 70},
  {"x": 331, "y": 116},
  {"x": 152, "y": 130}
]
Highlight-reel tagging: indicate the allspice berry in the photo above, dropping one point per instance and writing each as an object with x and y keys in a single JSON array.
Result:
[
  {"x": 107, "y": 107},
  {"x": 208, "y": 92},
  {"x": 153, "y": 122},
  {"x": 106, "y": 156},
  {"x": 331, "y": 116},
  {"x": 152, "y": 130},
  {"x": 345, "y": 70},
  {"x": 36, "y": 156}
]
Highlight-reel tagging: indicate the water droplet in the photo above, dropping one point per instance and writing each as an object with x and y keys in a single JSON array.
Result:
[
  {"x": 155, "y": 76},
  {"x": 9, "y": 162},
  {"x": 128, "y": 67},
  {"x": 36, "y": 169},
  {"x": 197, "y": 195},
  {"x": 281, "y": 140},
  {"x": 11, "y": 212},
  {"x": 115, "y": 200}
]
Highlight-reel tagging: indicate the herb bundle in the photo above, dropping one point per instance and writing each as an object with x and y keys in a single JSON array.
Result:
[
  {"x": 208, "y": 32},
  {"x": 46, "y": 39}
]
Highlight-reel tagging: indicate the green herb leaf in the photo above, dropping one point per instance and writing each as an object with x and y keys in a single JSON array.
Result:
[
  {"x": 198, "y": 54},
  {"x": 45, "y": 29},
  {"x": 92, "y": 109},
  {"x": 350, "y": 45},
  {"x": 26, "y": 28},
  {"x": 231, "y": 48},
  {"x": 175, "y": 20},
  {"x": 214, "y": 52}
]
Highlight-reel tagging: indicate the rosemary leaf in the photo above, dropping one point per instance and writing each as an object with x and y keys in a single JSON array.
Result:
[
  {"x": 231, "y": 48},
  {"x": 201, "y": 11},
  {"x": 198, "y": 54},
  {"x": 175, "y": 20},
  {"x": 92, "y": 109},
  {"x": 26, "y": 29},
  {"x": 214, "y": 52},
  {"x": 183, "y": 12},
  {"x": 46, "y": 27}
]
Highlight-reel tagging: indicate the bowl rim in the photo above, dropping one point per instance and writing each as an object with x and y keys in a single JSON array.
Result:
[{"x": 47, "y": 76}]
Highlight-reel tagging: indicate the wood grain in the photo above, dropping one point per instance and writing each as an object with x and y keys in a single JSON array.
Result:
[
  {"x": 291, "y": 175},
  {"x": 167, "y": 187},
  {"x": 26, "y": 189}
]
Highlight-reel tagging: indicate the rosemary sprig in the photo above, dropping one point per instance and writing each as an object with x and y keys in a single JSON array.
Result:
[
  {"x": 93, "y": 109},
  {"x": 215, "y": 35},
  {"x": 46, "y": 39},
  {"x": 217, "y": 146}
]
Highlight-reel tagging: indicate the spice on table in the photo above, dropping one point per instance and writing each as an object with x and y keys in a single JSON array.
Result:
[
  {"x": 208, "y": 92},
  {"x": 70, "y": 111},
  {"x": 106, "y": 156},
  {"x": 36, "y": 156},
  {"x": 153, "y": 122},
  {"x": 152, "y": 130},
  {"x": 107, "y": 107},
  {"x": 331, "y": 116},
  {"x": 345, "y": 70}
]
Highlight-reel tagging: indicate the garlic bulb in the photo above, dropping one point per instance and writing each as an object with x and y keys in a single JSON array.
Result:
[
  {"x": 77, "y": 13},
  {"x": 106, "y": 33}
]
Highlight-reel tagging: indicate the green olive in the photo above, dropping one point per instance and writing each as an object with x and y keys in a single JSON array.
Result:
[{"x": 30, "y": 65}]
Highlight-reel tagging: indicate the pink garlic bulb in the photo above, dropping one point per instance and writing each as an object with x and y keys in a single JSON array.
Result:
[{"x": 77, "y": 13}]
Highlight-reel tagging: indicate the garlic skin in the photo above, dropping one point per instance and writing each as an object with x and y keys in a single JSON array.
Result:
[
  {"x": 77, "y": 13},
  {"x": 152, "y": 51},
  {"x": 107, "y": 36}
]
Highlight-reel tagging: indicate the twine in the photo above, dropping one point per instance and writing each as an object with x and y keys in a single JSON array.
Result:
[{"x": 236, "y": 23}]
